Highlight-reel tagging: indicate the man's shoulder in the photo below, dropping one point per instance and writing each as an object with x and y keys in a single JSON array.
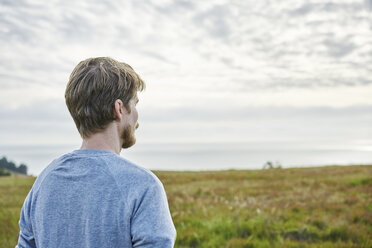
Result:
[
  {"x": 47, "y": 170},
  {"x": 127, "y": 172}
]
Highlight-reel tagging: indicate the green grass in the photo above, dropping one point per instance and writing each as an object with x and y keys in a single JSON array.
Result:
[
  {"x": 13, "y": 191},
  {"x": 309, "y": 207}
]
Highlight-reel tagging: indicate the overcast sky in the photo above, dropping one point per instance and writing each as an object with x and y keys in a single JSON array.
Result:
[{"x": 216, "y": 71}]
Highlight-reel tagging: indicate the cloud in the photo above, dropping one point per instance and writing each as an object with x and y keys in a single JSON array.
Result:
[
  {"x": 172, "y": 7},
  {"x": 158, "y": 57},
  {"x": 286, "y": 45},
  {"x": 326, "y": 7},
  {"x": 43, "y": 122},
  {"x": 215, "y": 21},
  {"x": 48, "y": 122},
  {"x": 216, "y": 71},
  {"x": 210, "y": 114},
  {"x": 368, "y": 4}
]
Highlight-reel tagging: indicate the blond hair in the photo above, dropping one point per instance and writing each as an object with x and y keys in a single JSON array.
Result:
[{"x": 94, "y": 86}]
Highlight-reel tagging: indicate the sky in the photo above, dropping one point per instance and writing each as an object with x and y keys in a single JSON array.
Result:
[{"x": 224, "y": 73}]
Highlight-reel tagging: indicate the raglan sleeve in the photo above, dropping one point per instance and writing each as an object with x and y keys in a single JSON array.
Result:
[
  {"x": 151, "y": 223},
  {"x": 26, "y": 236}
]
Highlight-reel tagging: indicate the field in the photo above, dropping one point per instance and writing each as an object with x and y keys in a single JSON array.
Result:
[{"x": 309, "y": 207}]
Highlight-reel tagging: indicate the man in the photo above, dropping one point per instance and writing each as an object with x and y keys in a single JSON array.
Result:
[{"x": 92, "y": 197}]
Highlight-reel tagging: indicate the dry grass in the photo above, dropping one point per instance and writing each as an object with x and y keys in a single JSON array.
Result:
[
  {"x": 327, "y": 206},
  {"x": 309, "y": 207},
  {"x": 13, "y": 191}
]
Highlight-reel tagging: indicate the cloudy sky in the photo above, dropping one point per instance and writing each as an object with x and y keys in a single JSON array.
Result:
[{"x": 217, "y": 72}]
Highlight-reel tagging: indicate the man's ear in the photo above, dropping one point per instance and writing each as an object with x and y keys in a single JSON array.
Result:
[{"x": 119, "y": 110}]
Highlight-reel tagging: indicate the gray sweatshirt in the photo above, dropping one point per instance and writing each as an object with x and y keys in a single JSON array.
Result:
[{"x": 95, "y": 198}]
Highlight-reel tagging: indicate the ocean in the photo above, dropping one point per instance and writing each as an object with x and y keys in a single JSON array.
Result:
[{"x": 209, "y": 156}]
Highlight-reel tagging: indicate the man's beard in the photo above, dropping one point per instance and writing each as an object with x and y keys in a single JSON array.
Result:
[{"x": 128, "y": 137}]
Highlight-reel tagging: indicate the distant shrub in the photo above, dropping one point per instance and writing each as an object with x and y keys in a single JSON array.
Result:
[
  {"x": 271, "y": 165},
  {"x": 4, "y": 172},
  {"x": 10, "y": 166}
]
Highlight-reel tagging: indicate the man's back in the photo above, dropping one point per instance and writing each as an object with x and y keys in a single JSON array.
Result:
[{"x": 94, "y": 198}]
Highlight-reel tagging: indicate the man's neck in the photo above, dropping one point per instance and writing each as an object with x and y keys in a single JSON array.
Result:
[{"x": 106, "y": 140}]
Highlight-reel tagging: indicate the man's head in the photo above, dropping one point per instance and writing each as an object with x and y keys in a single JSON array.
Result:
[{"x": 94, "y": 86}]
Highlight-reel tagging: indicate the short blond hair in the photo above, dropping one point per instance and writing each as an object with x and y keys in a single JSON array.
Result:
[{"x": 94, "y": 86}]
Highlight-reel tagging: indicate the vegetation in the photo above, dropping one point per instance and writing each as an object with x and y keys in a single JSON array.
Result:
[
  {"x": 309, "y": 207},
  {"x": 13, "y": 191},
  {"x": 271, "y": 165},
  {"x": 9, "y": 166},
  {"x": 4, "y": 172}
]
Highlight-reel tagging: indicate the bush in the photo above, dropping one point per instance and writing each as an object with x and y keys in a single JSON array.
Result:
[{"x": 4, "y": 172}]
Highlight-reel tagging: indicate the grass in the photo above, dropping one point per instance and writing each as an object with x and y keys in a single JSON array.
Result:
[
  {"x": 13, "y": 191},
  {"x": 308, "y": 207}
]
